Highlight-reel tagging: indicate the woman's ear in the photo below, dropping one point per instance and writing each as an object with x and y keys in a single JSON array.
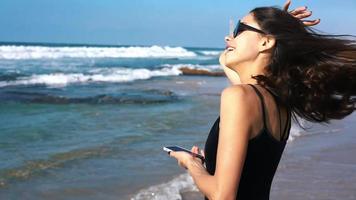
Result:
[{"x": 267, "y": 42}]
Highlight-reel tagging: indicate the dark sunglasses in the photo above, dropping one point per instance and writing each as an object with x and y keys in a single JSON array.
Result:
[{"x": 240, "y": 27}]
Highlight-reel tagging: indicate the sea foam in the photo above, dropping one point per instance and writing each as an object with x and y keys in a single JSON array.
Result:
[
  {"x": 45, "y": 52},
  {"x": 95, "y": 75},
  {"x": 113, "y": 74},
  {"x": 211, "y": 53},
  {"x": 168, "y": 190}
]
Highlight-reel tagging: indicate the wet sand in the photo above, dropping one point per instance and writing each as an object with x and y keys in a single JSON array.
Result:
[
  {"x": 191, "y": 195},
  {"x": 319, "y": 166}
]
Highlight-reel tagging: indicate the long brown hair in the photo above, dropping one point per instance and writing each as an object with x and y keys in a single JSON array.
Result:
[{"x": 313, "y": 74}]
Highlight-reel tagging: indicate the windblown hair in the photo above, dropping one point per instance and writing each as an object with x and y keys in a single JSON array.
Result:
[{"x": 313, "y": 74}]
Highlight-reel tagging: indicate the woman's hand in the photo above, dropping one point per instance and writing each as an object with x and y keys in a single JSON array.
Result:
[
  {"x": 185, "y": 159},
  {"x": 301, "y": 13},
  {"x": 233, "y": 76}
]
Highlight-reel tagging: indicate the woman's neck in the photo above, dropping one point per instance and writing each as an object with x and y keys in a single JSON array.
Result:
[{"x": 257, "y": 67}]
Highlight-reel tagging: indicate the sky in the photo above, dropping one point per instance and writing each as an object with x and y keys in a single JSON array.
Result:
[{"x": 188, "y": 23}]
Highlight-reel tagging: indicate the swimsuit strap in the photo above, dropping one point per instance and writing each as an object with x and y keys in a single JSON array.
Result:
[
  {"x": 279, "y": 112},
  {"x": 282, "y": 134},
  {"x": 262, "y": 104},
  {"x": 288, "y": 124}
]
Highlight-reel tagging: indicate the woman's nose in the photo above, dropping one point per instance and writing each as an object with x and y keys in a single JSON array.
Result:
[{"x": 228, "y": 38}]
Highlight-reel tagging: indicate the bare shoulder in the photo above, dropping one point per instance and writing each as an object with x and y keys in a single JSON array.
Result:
[
  {"x": 239, "y": 101},
  {"x": 241, "y": 92}
]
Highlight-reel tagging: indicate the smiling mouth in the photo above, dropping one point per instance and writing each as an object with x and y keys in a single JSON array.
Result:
[{"x": 230, "y": 48}]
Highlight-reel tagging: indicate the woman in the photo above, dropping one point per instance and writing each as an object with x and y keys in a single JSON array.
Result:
[{"x": 284, "y": 69}]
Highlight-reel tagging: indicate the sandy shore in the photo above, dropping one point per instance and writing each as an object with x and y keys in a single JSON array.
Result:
[
  {"x": 191, "y": 195},
  {"x": 319, "y": 166}
]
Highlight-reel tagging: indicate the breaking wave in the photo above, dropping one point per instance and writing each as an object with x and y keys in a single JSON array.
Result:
[{"x": 46, "y": 52}]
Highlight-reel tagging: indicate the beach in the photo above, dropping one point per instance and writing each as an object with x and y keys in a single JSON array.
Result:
[{"x": 90, "y": 122}]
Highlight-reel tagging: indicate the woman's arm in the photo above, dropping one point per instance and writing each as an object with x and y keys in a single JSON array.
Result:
[{"x": 235, "y": 129}]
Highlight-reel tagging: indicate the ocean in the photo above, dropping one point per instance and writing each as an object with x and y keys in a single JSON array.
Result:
[{"x": 89, "y": 121}]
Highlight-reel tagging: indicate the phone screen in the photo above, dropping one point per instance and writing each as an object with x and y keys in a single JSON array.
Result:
[{"x": 178, "y": 148}]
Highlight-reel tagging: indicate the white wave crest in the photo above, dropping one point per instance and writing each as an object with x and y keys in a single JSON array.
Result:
[
  {"x": 42, "y": 52},
  {"x": 315, "y": 128},
  {"x": 211, "y": 53},
  {"x": 295, "y": 132},
  {"x": 169, "y": 190},
  {"x": 95, "y": 75}
]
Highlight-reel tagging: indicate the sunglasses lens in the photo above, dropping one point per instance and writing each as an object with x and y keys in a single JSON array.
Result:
[
  {"x": 237, "y": 29},
  {"x": 240, "y": 27}
]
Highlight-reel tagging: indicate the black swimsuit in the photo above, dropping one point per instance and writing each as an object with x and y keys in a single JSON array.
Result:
[{"x": 263, "y": 155}]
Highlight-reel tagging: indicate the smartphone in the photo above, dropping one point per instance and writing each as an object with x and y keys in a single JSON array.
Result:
[{"x": 178, "y": 148}]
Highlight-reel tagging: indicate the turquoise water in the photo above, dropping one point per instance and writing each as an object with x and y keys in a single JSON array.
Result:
[{"x": 91, "y": 126}]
